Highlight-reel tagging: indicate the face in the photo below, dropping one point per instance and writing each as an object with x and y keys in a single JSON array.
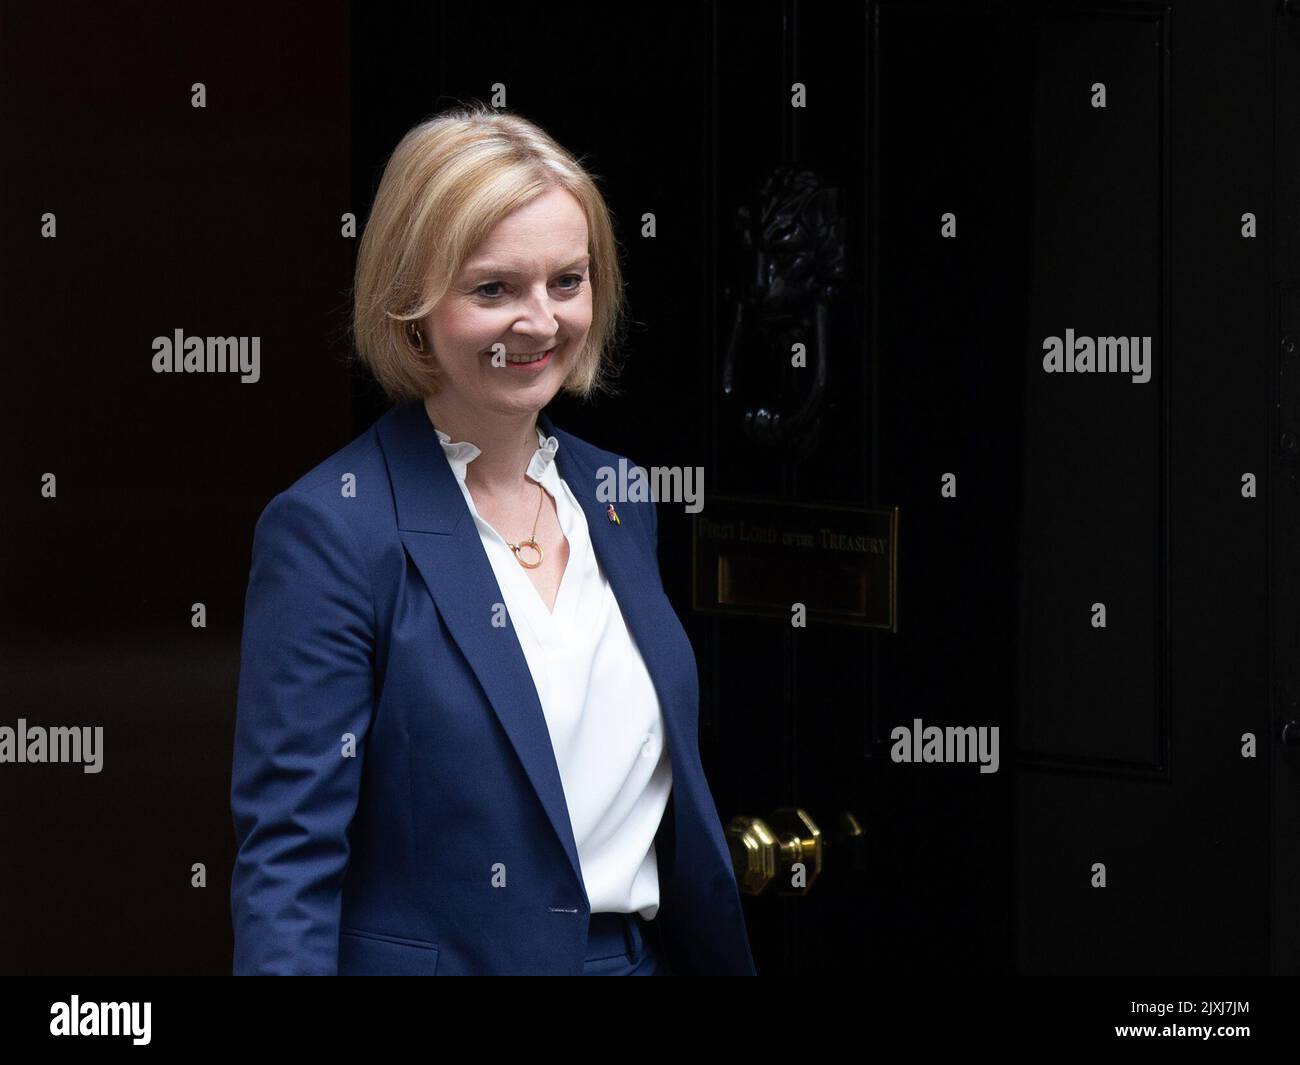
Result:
[{"x": 526, "y": 288}]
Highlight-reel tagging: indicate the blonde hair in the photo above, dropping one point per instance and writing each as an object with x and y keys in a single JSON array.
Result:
[{"x": 448, "y": 182}]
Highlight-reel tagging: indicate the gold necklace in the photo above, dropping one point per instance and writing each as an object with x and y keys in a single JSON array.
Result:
[{"x": 532, "y": 540}]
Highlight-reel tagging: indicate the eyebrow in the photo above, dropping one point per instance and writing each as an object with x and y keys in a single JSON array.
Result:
[{"x": 509, "y": 271}]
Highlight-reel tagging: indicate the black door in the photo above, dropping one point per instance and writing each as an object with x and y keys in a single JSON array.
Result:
[
  {"x": 1065, "y": 350},
  {"x": 1068, "y": 312}
]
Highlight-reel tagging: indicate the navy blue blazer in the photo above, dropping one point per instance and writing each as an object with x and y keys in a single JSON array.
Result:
[{"x": 396, "y": 799}]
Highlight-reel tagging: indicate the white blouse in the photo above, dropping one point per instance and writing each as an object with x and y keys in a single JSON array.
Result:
[{"x": 600, "y": 705}]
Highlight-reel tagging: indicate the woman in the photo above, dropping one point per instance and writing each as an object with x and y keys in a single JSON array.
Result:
[{"x": 467, "y": 723}]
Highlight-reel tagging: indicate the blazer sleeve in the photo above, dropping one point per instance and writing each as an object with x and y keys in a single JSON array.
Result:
[{"x": 305, "y": 684}]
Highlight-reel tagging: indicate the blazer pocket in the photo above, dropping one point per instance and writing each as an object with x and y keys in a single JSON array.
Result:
[{"x": 364, "y": 953}]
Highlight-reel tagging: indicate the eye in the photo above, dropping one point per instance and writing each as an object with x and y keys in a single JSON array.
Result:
[{"x": 576, "y": 284}]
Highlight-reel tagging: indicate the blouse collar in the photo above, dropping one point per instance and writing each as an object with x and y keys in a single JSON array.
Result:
[{"x": 461, "y": 453}]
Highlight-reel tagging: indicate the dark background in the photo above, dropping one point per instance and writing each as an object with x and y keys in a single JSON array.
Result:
[{"x": 1119, "y": 746}]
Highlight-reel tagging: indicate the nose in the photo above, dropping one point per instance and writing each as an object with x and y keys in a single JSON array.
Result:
[{"x": 538, "y": 319}]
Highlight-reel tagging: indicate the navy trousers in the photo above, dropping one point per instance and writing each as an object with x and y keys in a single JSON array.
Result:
[{"x": 623, "y": 944}]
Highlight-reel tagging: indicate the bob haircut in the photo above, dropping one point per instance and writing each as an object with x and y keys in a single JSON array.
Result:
[{"x": 449, "y": 181}]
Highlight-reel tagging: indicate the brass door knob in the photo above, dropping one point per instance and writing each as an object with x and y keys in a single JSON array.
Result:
[{"x": 783, "y": 853}]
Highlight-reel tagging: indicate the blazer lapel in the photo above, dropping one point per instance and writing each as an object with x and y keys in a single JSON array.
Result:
[
  {"x": 634, "y": 577},
  {"x": 624, "y": 563},
  {"x": 439, "y": 533}
]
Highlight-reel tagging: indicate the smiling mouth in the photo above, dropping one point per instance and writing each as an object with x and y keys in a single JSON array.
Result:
[{"x": 525, "y": 359}]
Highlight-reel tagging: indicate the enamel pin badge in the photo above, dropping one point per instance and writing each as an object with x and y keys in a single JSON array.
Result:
[{"x": 612, "y": 514}]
